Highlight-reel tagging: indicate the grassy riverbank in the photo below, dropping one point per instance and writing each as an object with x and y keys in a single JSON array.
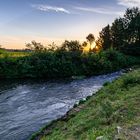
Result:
[{"x": 114, "y": 112}]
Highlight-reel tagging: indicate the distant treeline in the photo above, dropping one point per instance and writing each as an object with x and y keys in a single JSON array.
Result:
[{"x": 15, "y": 50}]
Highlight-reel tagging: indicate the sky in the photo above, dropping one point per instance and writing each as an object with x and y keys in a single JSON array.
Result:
[{"x": 46, "y": 21}]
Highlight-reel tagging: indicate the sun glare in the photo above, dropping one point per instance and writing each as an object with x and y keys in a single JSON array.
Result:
[{"x": 93, "y": 45}]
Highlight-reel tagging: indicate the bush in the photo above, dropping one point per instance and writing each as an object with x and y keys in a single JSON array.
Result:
[
  {"x": 131, "y": 49},
  {"x": 61, "y": 64}
]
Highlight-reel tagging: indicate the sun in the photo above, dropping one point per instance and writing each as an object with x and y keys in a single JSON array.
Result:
[{"x": 93, "y": 45}]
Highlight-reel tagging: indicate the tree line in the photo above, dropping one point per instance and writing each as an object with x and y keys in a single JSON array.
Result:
[
  {"x": 69, "y": 60},
  {"x": 123, "y": 35}
]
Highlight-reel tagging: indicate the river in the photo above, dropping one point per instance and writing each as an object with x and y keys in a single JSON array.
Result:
[{"x": 27, "y": 105}]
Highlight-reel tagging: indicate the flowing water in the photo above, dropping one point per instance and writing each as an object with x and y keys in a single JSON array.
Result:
[{"x": 26, "y": 106}]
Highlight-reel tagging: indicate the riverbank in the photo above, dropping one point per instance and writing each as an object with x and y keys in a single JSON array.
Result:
[
  {"x": 33, "y": 104},
  {"x": 113, "y": 113}
]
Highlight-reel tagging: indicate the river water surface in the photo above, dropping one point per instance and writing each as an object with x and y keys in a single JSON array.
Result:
[{"x": 26, "y": 106}]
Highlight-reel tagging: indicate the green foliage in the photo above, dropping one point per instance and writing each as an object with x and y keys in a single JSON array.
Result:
[
  {"x": 61, "y": 64},
  {"x": 131, "y": 49},
  {"x": 130, "y": 80},
  {"x": 132, "y": 25},
  {"x": 90, "y": 38},
  {"x": 106, "y": 83},
  {"x": 2, "y": 51},
  {"x": 123, "y": 34},
  {"x": 117, "y": 33},
  {"x": 105, "y": 36},
  {"x": 71, "y": 46},
  {"x": 34, "y": 46},
  {"x": 106, "y": 109}
]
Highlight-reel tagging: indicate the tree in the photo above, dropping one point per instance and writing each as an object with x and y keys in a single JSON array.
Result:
[
  {"x": 105, "y": 37},
  {"x": 90, "y": 38},
  {"x": 132, "y": 25},
  {"x": 131, "y": 22},
  {"x": 52, "y": 47},
  {"x": 117, "y": 33},
  {"x": 72, "y": 46},
  {"x": 99, "y": 43},
  {"x": 84, "y": 44},
  {"x": 34, "y": 46}
]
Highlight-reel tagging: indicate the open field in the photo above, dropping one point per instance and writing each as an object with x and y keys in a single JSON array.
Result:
[{"x": 13, "y": 54}]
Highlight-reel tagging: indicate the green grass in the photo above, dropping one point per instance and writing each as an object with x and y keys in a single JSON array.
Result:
[
  {"x": 116, "y": 104},
  {"x": 13, "y": 54}
]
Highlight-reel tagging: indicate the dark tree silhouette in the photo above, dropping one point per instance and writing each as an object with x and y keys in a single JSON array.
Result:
[
  {"x": 72, "y": 46},
  {"x": 90, "y": 38},
  {"x": 52, "y": 47},
  {"x": 105, "y": 37},
  {"x": 35, "y": 46},
  {"x": 132, "y": 25},
  {"x": 118, "y": 33},
  {"x": 99, "y": 43},
  {"x": 84, "y": 44}
]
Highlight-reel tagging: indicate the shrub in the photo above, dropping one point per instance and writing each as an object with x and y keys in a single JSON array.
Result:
[{"x": 60, "y": 64}]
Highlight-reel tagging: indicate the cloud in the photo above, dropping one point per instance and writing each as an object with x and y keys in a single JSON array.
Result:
[
  {"x": 47, "y": 8},
  {"x": 129, "y": 3},
  {"x": 99, "y": 10}
]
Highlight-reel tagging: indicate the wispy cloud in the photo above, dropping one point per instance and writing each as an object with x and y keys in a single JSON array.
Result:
[
  {"x": 106, "y": 11},
  {"x": 47, "y": 8},
  {"x": 129, "y": 3}
]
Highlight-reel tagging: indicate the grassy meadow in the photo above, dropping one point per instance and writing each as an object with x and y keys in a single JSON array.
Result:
[{"x": 4, "y": 54}]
